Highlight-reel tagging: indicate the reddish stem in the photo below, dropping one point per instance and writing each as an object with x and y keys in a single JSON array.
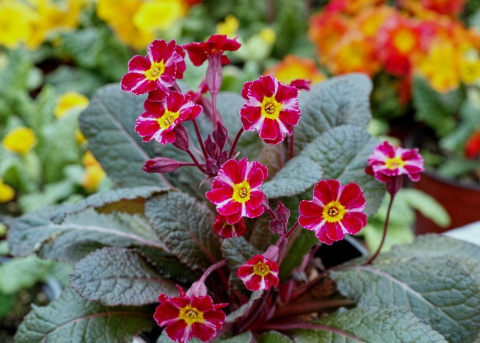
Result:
[
  {"x": 385, "y": 227},
  {"x": 194, "y": 159},
  {"x": 310, "y": 307},
  {"x": 199, "y": 137},
  {"x": 234, "y": 145}
]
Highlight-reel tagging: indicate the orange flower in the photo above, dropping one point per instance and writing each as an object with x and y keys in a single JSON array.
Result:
[
  {"x": 353, "y": 53},
  {"x": 371, "y": 19},
  {"x": 326, "y": 30},
  {"x": 397, "y": 43},
  {"x": 293, "y": 67},
  {"x": 351, "y": 7}
]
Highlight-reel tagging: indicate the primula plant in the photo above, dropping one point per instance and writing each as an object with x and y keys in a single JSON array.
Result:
[{"x": 217, "y": 236}]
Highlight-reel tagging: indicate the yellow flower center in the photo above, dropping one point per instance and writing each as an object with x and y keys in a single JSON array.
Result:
[
  {"x": 155, "y": 71},
  {"x": 261, "y": 269},
  {"x": 191, "y": 315},
  {"x": 404, "y": 41},
  {"x": 241, "y": 192},
  {"x": 394, "y": 163},
  {"x": 271, "y": 108},
  {"x": 167, "y": 119},
  {"x": 334, "y": 212}
]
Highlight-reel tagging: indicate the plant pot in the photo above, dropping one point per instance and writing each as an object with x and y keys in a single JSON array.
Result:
[{"x": 462, "y": 202}]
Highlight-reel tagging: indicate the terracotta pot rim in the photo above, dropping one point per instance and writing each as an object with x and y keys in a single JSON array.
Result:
[{"x": 452, "y": 182}]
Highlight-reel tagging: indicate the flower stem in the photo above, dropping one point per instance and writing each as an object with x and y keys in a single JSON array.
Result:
[
  {"x": 385, "y": 227},
  {"x": 290, "y": 232},
  {"x": 211, "y": 269},
  {"x": 200, "y": 141},
  {"x": 194, "y": 159},
  {"x": 234, "y": 145}
]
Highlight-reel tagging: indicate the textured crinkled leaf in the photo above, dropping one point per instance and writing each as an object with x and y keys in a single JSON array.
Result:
[
  {"x": 342, "y": 152},
  {"x": 372, "y": 325},
  {"x": 433, "y": 246},
  {"x": 237, "y": 251},
  {"x": 71, "y": 318},
  {"x": 117, "y": 276},
  {"x": 108, "y": 123},
  {"x": 129, "y": 200},
  {"x": 299, "y": 174},
  {"x": 274, "y": 337},
  {"x": 245, "y": 337},
  {"x": 338, "y": 101},
  {"x": 185, "y": 226},
  {"x": 37, "y": 232},
  {"x": 440, "y": 291}
]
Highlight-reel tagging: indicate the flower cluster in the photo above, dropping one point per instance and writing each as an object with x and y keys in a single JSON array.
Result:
[
  {"x": 426, "y": 37},
  {"x": 272, "y": 109}
]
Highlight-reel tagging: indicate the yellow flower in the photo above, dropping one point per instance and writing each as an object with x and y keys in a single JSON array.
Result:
[
  {"x": 79, "y": 137},
  {"x": 228, "y": 27},
  {"x": 15, "y": 20},
  {"x": 51, "y": 17},
  {"x": 119, "y": 15},
  {"x": 469, "y": 67},
  {"x": 20, "y": 140},
  {"x": 158, "y": 15},
  {"x": 440, "y": 66},
  {"x": 94, "y": 173},
  {"x": 69, "y": 101},
  {"x": 7, "y": 193}
]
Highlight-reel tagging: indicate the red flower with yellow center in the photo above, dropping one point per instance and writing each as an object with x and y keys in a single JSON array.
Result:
[
  {"x": 225, "y": 230},
  {"x": 158, "y": 70},
  {"x": 186, "y": 317},
  {"x": 161, "y": 117},
  {"x": 259, "y": 273},
  {"x": 387, "y": 162},
  {"x": 236, "y": 190},
  {"x": 398, "y": 41},
  {"x": 271, "y": 108},
  {"x": 335, "y": 211}
]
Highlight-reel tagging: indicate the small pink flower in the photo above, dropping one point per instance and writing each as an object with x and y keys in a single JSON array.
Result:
[
  {"x": 157, "y": 71},
  {"x": 387, "y": 162},
  {"x": 215, "y": 45},
  {"x": 161, "y": 117},
  {"x": 271, "y": 108},
  {"x": 236, "y": 190},
  {"x": 225, "y": 230},
  {"x": 189, "y": 316},
  {"x": 259, "y": 273},
  {"x": 334, "y": 211}
]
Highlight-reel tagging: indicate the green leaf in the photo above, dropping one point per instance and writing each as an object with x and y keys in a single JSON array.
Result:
[
  {"x": 366, "y": 324},
  {"x": 116, "y": 276},
  {"x": 128, "y": 200},
  {"x": 342, "y": 152},
  {"x": 433, "y": 246},
  {"x": 242, "y": 310},
  {"x": 21, "y": 273},
  {"x": 435, "y": 109},
  {"x": 427, "y": 205},
  {"x": 245, "y": 337},
  {"x": 185, "y": 226},
  {"x": 58, "y": 147},
  {"x": 70, "y": 317},
  {"x": 338, "y": 101},
  {"x": 108, "y": 123},
  {"x": 40, "y": 232},
  {"x": 7, "y": 302},
  {"x": 83, "y": 81},
  {"x": 274, "y": 337},
  {"x": 440, "y": 291},
  {"x": 299, "y": 174}
]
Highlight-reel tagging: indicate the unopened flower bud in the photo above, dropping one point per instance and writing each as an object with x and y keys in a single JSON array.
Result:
[
  {"x": 162, "y": 165},
  {"x": 181, "y": 141}
]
